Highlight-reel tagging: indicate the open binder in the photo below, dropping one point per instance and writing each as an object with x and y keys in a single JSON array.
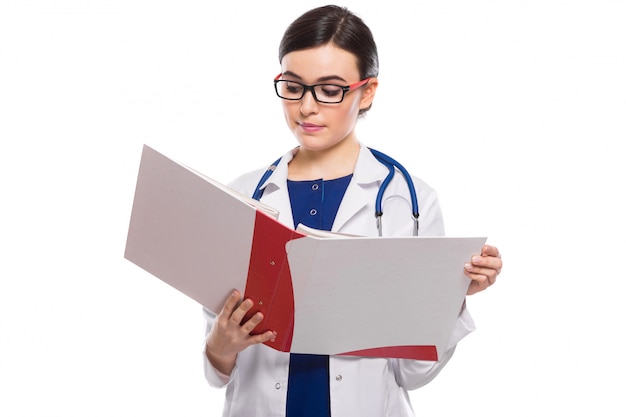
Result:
[{"x": 323, "y": 293}]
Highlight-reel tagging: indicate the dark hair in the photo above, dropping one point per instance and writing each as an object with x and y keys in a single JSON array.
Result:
[{"x": 336, "y": 25}]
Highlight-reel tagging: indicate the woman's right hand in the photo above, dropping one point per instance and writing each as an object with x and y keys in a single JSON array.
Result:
[{"x": 229, "y": 336}]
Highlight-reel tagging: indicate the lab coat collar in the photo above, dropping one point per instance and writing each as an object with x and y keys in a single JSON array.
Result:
[
  {"x": 368, "y": 173},
  {"x": 277, "y": 182}
]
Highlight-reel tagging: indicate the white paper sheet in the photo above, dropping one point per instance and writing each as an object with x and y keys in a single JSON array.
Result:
[{"x": 360, "y": 293}]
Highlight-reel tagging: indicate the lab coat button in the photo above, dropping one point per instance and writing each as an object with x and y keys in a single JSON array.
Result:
[
  {"x": 338, "y": 377},
  {"x": 277, "y": 386}
]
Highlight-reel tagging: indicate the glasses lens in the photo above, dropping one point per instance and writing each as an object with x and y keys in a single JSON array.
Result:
[
  {"x": 329, "y": 93},
  {"x": 324, "y": 93},
  {"x": 289, "y": 90}
]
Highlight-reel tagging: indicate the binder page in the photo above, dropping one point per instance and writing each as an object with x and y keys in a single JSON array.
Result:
[
  {"x": 188, "y": 232},
  {"x": 363, "y": 293}
]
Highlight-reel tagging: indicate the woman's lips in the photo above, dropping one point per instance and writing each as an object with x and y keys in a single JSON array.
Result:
[{"x": 310, "y": 127}]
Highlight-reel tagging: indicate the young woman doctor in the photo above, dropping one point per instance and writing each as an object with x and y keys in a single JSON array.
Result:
[{"x": 329, "y": 66}]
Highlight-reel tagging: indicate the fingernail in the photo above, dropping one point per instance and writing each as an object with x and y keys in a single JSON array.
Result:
[
  {"x": 468, "y": 266},
  {"x": 476, "y": 259}
]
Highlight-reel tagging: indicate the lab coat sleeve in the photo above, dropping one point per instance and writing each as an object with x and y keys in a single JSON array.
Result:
[
  {"x": 214, "y": 377},
  {"x": 412, "y": 374}
]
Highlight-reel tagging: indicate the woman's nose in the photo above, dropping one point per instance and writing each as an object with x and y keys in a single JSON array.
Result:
[{"x": 308, "y": 104}]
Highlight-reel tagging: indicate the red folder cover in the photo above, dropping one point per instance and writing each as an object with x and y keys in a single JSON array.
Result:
[{"x": 269, "y": 282}]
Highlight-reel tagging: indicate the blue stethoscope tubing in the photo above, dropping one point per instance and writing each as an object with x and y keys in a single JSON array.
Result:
[{"x": 391, "y": 165}]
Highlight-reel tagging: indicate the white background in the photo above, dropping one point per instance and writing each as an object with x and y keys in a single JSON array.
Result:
[{"x": 513, "y": 110}]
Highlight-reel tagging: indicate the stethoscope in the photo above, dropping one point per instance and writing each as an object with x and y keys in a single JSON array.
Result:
[{"x": 391, "y": 165}]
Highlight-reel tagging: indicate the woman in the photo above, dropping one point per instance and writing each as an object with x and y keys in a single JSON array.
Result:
[{"x": 329, "y": 66}]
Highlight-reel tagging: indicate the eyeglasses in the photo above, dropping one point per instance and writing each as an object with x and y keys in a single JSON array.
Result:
[{"x": 322, "y": 93}]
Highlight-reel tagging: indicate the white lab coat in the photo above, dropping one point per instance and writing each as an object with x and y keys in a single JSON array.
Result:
[{"x": 361, "y": 387}]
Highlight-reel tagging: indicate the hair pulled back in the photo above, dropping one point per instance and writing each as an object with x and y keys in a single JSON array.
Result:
[{"x": 336, "y": 25}]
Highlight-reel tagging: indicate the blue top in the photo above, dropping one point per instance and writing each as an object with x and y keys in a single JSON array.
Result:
[{"x": 314, "y": 204}]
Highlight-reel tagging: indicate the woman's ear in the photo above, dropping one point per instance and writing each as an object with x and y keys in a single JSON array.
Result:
[{"x": 369, "y": 91}]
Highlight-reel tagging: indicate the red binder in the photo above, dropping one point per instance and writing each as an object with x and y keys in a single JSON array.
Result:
[
  {"x": 269, "y": 282},
  {"x": 206, "y": 240}
]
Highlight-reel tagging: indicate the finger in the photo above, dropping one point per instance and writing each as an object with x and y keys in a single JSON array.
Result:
[
  {"x": 239, "y": 313},
  {"x": 476, "y": 272},
  {"x": 476, "y": 286},
  {"x": 230, "y": 304},
  {"x": 482, "y": 278},
  {"x": 480, "y": 281},
  {"x": 489, "y": 262},
  {"x": 251, "y": 324},
  {"x": 489, "y": 250},
  {"x": 268, "y": 336},
  {"x": 485, "y": 276}
]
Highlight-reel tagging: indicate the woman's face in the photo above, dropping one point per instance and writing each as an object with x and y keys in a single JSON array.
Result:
[{"x": 320, "y": 126}]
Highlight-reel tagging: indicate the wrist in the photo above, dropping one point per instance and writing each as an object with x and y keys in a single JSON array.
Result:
[{"x": 223, "y": 363}]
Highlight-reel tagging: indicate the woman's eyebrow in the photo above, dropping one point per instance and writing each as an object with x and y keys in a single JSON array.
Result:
[{"x": 321, "y": 79}]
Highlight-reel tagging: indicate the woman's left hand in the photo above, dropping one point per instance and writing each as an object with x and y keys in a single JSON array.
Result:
[{"x": 483, "y": 269}]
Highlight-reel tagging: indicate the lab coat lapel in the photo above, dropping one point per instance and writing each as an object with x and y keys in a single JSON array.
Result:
[
  {"x": 368, "y": 174},
  {"x": 275, "y": 191}
]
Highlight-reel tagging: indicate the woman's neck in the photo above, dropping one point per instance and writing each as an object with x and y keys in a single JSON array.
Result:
[{"x": 328, "y": 164}]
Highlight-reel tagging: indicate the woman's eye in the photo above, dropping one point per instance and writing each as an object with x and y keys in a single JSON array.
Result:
[
  {"x": 294, "y": 88},
  {"x": 331, "y": 90}
]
